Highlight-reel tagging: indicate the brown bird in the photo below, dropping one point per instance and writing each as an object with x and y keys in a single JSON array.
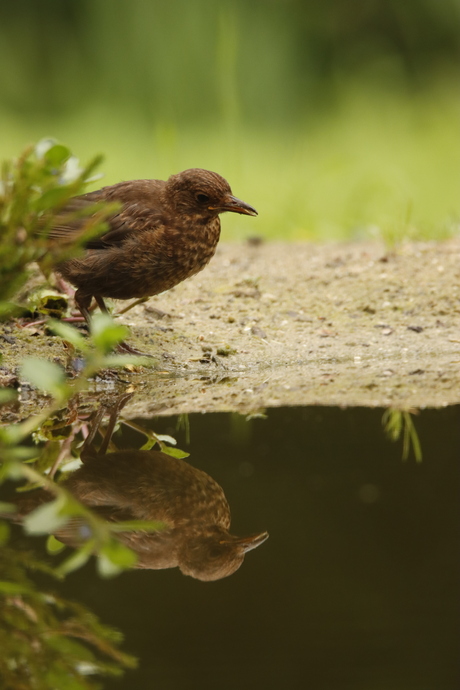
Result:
[
  {"x": 150, "y": 485},
  {"x": 164, "y": 232}
]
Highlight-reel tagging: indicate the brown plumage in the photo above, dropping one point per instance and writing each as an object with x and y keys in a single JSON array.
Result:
[
  {"x": 163, "y": 233},
  {"x": 149, "y": 485}
]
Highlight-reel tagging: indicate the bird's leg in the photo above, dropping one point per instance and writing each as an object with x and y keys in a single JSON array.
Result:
[
  {"x": 87, "y": 451},
  {"x": 101, "y": 304},
  {"x": 123, "y": 347},
  {"x": 83, "y": 302},
  {"x": 114, "y": 412}
]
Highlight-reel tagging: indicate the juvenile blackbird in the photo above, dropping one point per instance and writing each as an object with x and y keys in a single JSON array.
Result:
[
  {"x": 164, "y": 232},
  {"x": 150, "y": 485}
]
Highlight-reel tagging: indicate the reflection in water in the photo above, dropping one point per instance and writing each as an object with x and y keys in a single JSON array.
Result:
[
  {"x": 130, "y": 485},
  {"x": 399, "y": 422},
  {"x": 358, "y": 589}
]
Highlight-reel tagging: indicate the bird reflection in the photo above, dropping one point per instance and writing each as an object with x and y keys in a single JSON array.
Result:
[{"x": 150, "y": 485}]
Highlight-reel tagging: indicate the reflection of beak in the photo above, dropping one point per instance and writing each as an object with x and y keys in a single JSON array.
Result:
[
  {"x": 249, "y": 543},
  {"x": 236, "y": 205}
]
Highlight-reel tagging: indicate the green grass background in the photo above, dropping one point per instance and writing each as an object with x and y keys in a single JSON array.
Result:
[{"x": 338, "y": 121}]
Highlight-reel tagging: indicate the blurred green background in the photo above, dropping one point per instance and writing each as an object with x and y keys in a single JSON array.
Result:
[{"x": 335, "y": 119}]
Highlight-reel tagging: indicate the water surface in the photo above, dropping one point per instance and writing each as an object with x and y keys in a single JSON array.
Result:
[{"x": 357, "y": 586}]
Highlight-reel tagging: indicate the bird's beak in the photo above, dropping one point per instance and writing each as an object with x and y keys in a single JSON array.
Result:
[
  {"x": 252, "y": 542},
  {"x": 236, "y": 206}
]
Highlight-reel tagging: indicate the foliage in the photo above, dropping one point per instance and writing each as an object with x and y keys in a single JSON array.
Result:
[
  {"x": 33, "y": 193},
  {"x": 47, "y": 641},
  {"x": 162, "y": 440},
  {"x": 43, "y": 637},
  {"x": 34, "y": 189},
  {"x": 397, "y": 422}
]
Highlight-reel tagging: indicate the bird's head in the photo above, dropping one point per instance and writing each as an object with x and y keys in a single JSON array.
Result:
[
  {"x": 217, "y": 554},
  {"x": 203, "y": 194}
]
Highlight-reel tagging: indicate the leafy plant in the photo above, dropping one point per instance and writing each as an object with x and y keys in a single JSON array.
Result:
[
  {"x": 34, "y": 190},
  {"x": 399, "y": 422},
  {"x": 46, "y": 640}
]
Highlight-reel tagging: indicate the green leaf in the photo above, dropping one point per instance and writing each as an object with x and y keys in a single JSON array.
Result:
[
  {"x": 53, "y": 545},
  {"x": 22, "y": 453},
  {"x": 12, "y": 470},
  {"x": 43, "y": 374},
  {"x": 46, "y": 518},
  {"x": 57, "y": 155},
  {"x": 7, "y": 507},
  {"x": 106, "y": 334},
  {"x": 47, "y": 301},
  {"x": 174, "y": 452},
  {"x": 64, "y": 330},
  {"x": 53, "y": 198},
  {"x": 12, "y": 588},
  {"x": 166, "y": 439},
  {"x": 119, "y": 554},
  {"x": 106, "y": 567},
  {"x": 77, "y": 559},
  {"x": 149, "y": 444},
  {"x": 115, "y": 557},
  {"x": 72, "y": 649}
]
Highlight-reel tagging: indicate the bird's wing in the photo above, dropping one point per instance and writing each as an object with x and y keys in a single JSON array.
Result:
[
  {"x": 71, "y": 220},
  {"x": 132, "y": 219},
  {"x": 138, "y": 212},
  {"x": 76, "y": 530}
]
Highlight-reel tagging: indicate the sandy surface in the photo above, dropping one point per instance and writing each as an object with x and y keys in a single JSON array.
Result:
[{"x": 292, "y": 324}]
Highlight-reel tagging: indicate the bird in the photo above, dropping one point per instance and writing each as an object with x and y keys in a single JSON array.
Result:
[
  {"x": 150, "y": 485},
  {"x": 162, "y": 233}
]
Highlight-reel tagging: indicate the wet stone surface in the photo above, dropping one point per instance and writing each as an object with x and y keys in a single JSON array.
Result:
[{"x": 292, "y": 324}]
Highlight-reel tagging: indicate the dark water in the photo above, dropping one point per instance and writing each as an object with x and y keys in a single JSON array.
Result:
[{"x": 357, "y": 586}]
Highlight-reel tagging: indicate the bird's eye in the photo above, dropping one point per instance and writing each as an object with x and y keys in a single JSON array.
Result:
[
  {"x": 202, "y": 198},
  {"x": 214, "y": 551}
]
